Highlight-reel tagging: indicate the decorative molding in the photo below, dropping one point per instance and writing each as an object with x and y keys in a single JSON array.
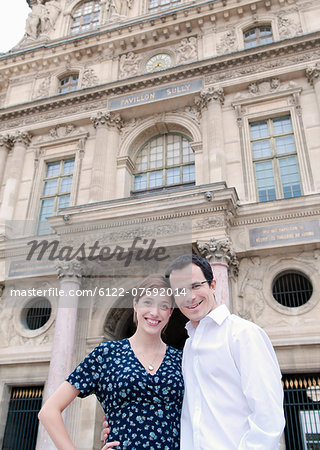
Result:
[
  {"x": 129, "y": 65},
  {"x": 227, "y": 43},
  {"x": 275, "y": 218},
  {"x": 62, "y": 131},
  {"x": 72, "y": 269},
  {"x": 312, "y": 74},
  {"x": 288, "y": 27}
]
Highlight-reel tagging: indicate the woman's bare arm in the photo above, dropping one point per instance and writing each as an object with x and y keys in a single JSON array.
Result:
[{"x": 50, "y": 415}]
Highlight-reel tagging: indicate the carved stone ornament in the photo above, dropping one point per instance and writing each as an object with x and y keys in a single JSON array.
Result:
[
  {"x": 312, "y": 74},
  {"x": 6, "y": 141},
  {"x": 72, "y": 269},
  {"x": 288, "y": 27},
  {"x": 207, "y": 95},
  {"x": 108, "y": 118},
  {"x": 61, "y": 132},
  {"x": 220, "y": 251},
  {"x": 89, "y": 78},
  {"x": 41, "y": 20},
  {"x": 228, "y": 42},
  {"x": 264, "y": 87},
  {"x": 186, "y": 50},
  {"x": 129, "y": 64},
  {"x": 43, "y": 89},
  {"x": 21, "y": 137}
]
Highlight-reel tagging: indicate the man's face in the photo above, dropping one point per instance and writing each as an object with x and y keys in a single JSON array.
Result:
[{"x": 194, "y": 300}]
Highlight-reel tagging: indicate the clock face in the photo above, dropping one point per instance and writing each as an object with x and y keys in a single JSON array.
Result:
[{"x": 158, "y": 62}]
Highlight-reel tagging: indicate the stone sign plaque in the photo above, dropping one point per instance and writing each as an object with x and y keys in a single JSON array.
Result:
[
  {"x": 294, "y": 232},
  {"x": 141, "y": 98}
]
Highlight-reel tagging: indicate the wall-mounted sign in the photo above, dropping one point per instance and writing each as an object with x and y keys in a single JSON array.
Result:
[
  {"x": 294, "y": 232},
  {"x": 154, "y": 95}
]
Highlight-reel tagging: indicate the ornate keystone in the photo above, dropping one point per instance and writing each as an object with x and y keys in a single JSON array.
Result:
[{"x": 220, "y": 251}]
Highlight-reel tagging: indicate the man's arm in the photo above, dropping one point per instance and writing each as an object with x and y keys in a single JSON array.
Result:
[{"x": 261, "y": 384}]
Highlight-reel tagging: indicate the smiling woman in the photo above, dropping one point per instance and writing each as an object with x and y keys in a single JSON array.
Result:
[{"x": 12, "y": 23}]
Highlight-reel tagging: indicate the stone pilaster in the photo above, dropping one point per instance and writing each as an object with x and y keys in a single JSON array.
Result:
[
  {"x": 19, "y": 142},
  {"x": 313, "y": 76},
  {"x": 223, "y": 259},
  {"x": 107, "y": 127},
  {"x": 209, "y": 103},
  {"x": 61, "y": 360},
  {"x": 5, "y": 145}
]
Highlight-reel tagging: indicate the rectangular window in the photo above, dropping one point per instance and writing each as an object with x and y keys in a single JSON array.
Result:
[
  {"x": 275, "y": 159},
  {"x": 158, "y": 5},
  {"x": 22, "y": 420},
  {"x": 56, "y": 191}
]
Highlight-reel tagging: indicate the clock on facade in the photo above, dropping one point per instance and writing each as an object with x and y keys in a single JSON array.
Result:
[{"x": 158, "y": 62}]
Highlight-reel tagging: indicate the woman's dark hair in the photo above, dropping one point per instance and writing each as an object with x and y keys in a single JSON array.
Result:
[
  {"x": 182, "y": 261},
  {"x": 153, "y": 281}
]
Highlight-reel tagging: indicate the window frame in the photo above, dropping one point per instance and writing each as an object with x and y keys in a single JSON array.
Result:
[
  {"x": 259, "y": 37},
  {"x": 71, "y": 87},
  {"x": 274, "y": 158},
  {"x": 164, "y": 167},
  {"x": 80, "y": 5},
  {"x": 158, "y": 9}
]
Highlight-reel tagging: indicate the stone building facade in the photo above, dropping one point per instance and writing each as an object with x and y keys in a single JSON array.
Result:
[{"x": 179, "y": 125}]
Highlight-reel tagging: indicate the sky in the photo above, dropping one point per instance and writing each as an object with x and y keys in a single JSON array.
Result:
[{"x": 12, "y": 23}]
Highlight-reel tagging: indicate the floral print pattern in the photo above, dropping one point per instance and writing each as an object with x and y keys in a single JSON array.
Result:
[{"x": 143, "y": 410}]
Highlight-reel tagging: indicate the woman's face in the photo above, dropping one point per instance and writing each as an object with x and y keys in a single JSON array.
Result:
[{"x": 153, "y": 312}]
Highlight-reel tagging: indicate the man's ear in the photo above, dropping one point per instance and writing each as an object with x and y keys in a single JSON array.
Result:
[{"x": 213, "y": 285}]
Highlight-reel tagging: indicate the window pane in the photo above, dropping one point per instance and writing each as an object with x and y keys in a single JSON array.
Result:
[
  {"x": 68, "y": 166},
  {"x": 265, "y": 181},
  {"x": 285, "y": 144},
  {"x": 140, "y": 181},
  {"x": 173, "y": 150},
  {"x": 65, "y": 185},
  {"x": 188, "y": 173},
  {"x": 53, "y": 169},
  {"x": 173, "y": 176},
  {"x": 50, "y": 187},
  {"x": 290, "y": 177},
  {"x": 46, "y": 208},
  {"x": 259, "y": 129},
  {"x": 64, "y": 201},
  {"x": 187, "y": 152},
  {"x": 156, "y": 153},
  {"x": 155, "y": 179},
  {"x": 282, "y": 125},
  {"x": 261, "y": 149}
]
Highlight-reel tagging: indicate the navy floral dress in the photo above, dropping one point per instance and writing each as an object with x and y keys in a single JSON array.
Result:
[{"x": 143, "y": 410}]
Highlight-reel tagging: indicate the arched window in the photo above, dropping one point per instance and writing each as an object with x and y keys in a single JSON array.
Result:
[
  {"x": 159, "y": 5},
  {"x": 258, "y": 36},
  {"x": 165, "y": 160},
  {"x": 85, "y": 17},
  {"x": 68, "y": 83}
]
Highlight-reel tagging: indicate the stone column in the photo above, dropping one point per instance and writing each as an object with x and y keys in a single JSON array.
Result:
[
  {"x": 61, "y": 360},
  {"x": 313, "y": 76},
  {"x": 103, "y": 178},
  {"x": 5, "y": 146},
  {"x": 209, "y": 102},
  {"x": 20, "y": 142},
  {"x": 223, "y": 259}
]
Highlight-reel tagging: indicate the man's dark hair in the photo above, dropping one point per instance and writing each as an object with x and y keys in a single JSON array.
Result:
[{"x": 185, "y": 260}]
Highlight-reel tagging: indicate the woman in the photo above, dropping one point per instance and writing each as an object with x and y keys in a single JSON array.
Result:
[{"x": 138, "y": 381}]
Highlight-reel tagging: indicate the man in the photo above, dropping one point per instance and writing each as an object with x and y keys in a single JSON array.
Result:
[{"x": 233, "y": 394}]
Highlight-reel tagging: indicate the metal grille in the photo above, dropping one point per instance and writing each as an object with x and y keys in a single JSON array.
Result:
[
  {"x": 292, "y": 289},
  {"x": 302, "y": 411},
  {"x": 38, "y": 314},
  {"x": 22, "y": 420}
]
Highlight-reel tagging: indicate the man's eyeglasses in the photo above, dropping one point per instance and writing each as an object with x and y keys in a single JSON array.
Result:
[{"x": 194, "y": 287}]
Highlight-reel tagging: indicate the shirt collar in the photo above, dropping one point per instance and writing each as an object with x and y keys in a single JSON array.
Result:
[{"x": 218, "y": 315}]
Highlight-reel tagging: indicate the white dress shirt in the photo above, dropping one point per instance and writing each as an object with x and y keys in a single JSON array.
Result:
[{"x": 233, "y": 393}]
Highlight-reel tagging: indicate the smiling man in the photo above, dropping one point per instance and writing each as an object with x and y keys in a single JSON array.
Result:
[{"x": 233, "y": 394}]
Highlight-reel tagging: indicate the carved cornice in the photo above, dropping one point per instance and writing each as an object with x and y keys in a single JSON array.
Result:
[
  {"x": 220, "y": 251},
  {"x": 276, "y": 217},
  {"x": 110, "y": 119}
]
